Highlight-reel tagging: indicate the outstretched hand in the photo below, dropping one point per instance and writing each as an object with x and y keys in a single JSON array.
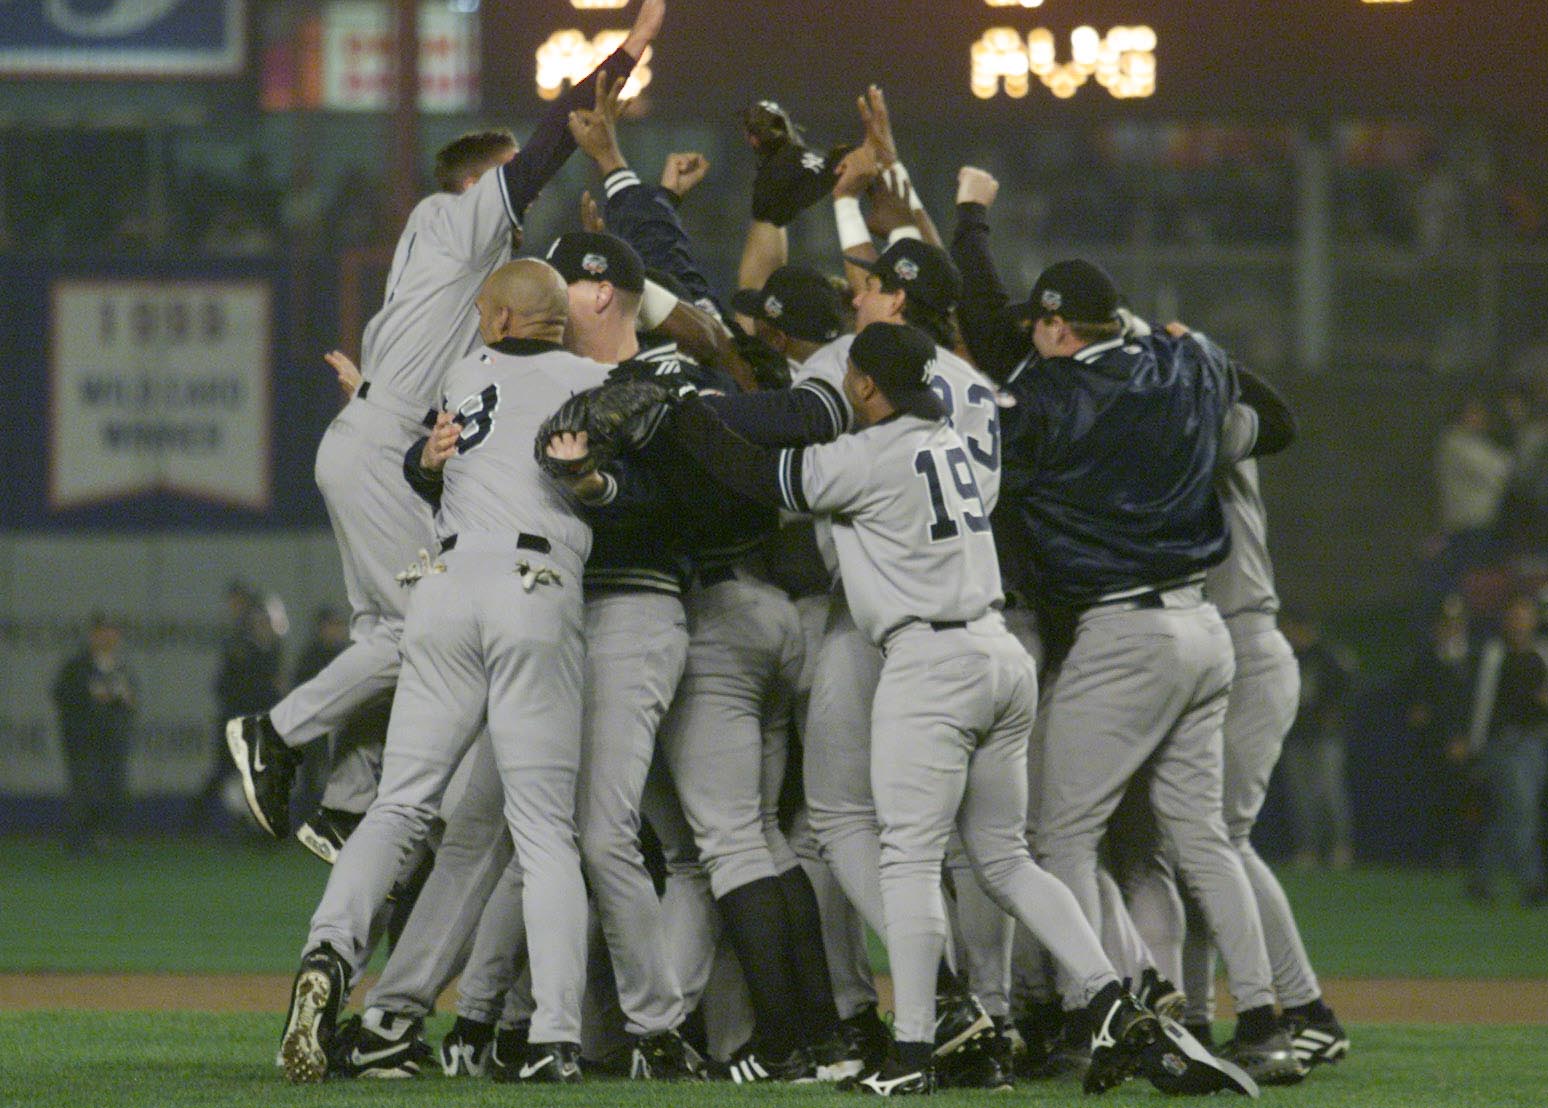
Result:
[
  {"x": 595, "y": 129},
  {"x": 856, "y": 171},
  {"x": 878, "y": 127},
  {"x": 441, "y": 444},
  {"x": 892, "y": 205}
]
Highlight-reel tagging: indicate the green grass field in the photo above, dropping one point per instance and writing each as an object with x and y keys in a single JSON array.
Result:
[{"x": 159, "y": 906}]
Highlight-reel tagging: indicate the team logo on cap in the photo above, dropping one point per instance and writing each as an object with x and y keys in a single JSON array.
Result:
[
  {"x": 906, "y": 268},
  {"x": 813, "y": 162},
  {"x": 1052, "y": 300},
  {"x": 772, "y": 307},
  {"x": 928, "y": 376},
  {"x": 594, "y": 264}
]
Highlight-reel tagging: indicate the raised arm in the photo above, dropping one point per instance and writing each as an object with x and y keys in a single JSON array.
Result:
[
  {"x": 551, "y": 144},
  {"x": 990, "y": 326}
]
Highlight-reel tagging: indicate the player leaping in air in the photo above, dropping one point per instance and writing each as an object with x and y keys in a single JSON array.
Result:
[{"x": 452, "y": 242}]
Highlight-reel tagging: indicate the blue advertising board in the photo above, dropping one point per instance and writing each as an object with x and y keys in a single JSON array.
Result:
[{"x": 122, "y": 38}]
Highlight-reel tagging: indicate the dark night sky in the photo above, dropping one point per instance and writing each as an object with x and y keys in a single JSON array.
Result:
[{"x": 1220, "y": 58}]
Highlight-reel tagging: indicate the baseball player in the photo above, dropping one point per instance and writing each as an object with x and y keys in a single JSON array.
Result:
[
  {"x": 956, "y": 695},
  {"x": 1264, "y": 695},
  {"x": 493, "y": 634},
  {"x": 1121, "y": 548},
  {"x": 452, "y": 242},
  {"x": 636, "y": 643}
]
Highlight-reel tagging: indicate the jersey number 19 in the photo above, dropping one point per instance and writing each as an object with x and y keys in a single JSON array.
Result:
[{"x": 945, "y": 522}]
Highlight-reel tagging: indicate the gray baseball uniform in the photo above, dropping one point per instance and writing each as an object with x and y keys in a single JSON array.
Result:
[
  {"x": 1264, "y": 697},
  {"x": 955, "y": 699},
  {"x": 493, "y": 633},
  {"x": 449, "y": 247},
  {"x": 837, "y": 751}
]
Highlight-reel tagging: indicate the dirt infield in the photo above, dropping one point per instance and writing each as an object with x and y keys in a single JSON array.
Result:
[{"x": 1359, "y": 1000}]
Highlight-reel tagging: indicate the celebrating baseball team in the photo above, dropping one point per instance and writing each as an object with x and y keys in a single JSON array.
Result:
[{"x": 717, "y": 632}]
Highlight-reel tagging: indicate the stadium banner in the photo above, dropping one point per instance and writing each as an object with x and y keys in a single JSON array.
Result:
[
  {"x": 123, "y": 38},
  {"x": 160, "y": 387},
  {"x": 157, "y": 396},
  {"x": 357, "y": 57}
]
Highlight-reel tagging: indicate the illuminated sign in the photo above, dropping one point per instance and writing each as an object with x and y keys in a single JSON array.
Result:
[
  {"x": 569, "y": 55},
  {"x": 1123, "y": 62}
]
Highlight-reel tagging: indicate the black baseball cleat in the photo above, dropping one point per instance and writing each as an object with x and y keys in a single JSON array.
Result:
[
  {"x": 1120, "y": 1030},
  {"x": 1316, "y": 1041},
  {"x": 984, "y": 1064},
  {"x": 1270, "y": 1060},
  {"x": 315, "y": 1000},
  {"x": 665, "y": 1056},
  {"x": 748, "y": 1067},
  {"x": 867, "y": 1033},
  {"x": 893, "y": 1078},
  {"x": 839, "y": 1057},
  {"x": 325, "y": 830},
  {"x": 1176, "y": 1062},
  {"x": 388, "y": 1046},
  {"x": 510, "y": 1046},
  {"x": 1041, "y": 1026},
  {"x": 466, "y": 1048},
  {"x": 959, "y": 1019},
  {"x": 545, "y": 1064},
  {"x": 267, "y": 767},
  {"x": 1160, "y": 995}
]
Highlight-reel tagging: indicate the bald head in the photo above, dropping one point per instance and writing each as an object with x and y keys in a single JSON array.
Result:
[{"x": 523, "y": 299}]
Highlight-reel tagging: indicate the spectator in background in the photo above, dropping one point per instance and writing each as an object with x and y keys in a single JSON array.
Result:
[
  {"x": 1471, "y": 470},
  {"x": 1313, "y": 757},
  {"x": 95, "y": 696},
  {"x": 247, "y": 680},
  {"x": 1438, "y": 692},
  {"x": 1508, "y": 741}
]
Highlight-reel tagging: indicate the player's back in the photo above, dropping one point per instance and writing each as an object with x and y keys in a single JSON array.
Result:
[
  {"x": 915, "y": 543},
  {"x": 493, "y": 483},
  {"x": 449, "y": 247},
  {"x": 969, "y": 396}
]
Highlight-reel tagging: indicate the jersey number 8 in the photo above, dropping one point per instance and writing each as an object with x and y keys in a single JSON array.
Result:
[
  {"x": 945, "y": 524},
  {"x": 476, "y": 414}
]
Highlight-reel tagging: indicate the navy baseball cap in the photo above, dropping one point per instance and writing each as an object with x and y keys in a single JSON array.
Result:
[
  {"x": 797, "y": 300},
  {"x": 924, "y": 271},
  {"x": 597, "y": 256},
  {"x": 1074, "y": 289},
  {"x": 901, "y": 360}
]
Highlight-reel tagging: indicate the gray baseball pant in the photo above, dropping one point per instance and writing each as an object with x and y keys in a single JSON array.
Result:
[
  {"x": 950, "y": 721},
  {"x": 381, "y": 525},
  {"x": 478, "y": 645},
  {"x": 1264, "y": 700},
  {"x": 843, "y": 931},
  {"x": 1151, "y": 685}
]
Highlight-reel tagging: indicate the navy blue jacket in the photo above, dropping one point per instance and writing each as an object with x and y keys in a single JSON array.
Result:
[
  {"x": 1110, "y": 462},
  {"x": 645, "y": 216}
]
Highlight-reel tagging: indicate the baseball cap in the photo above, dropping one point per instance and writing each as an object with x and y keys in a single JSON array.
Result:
[
  {"x": 900, "y": 359},
  {"x": 924, "y": 271},
  {"x": 1075, "y": 289},
  {"x": 597, "y": 256},
  {"x": 797, "y": 300}
]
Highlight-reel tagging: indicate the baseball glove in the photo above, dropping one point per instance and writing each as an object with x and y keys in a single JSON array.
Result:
[
  {"x": 617, "y": 417},
  {"x": 572, "y": 418},
  {"x": 792, "y": 180}
]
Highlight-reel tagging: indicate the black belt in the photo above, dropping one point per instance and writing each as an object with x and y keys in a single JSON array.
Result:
[
  {"x": 709, "y": 578},
  {"x": 430, "y": 414},
  {"x": 1138, "y": 602},
  {"x": 948, "y": 624},
  {"x": 536, "y": 543}
]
